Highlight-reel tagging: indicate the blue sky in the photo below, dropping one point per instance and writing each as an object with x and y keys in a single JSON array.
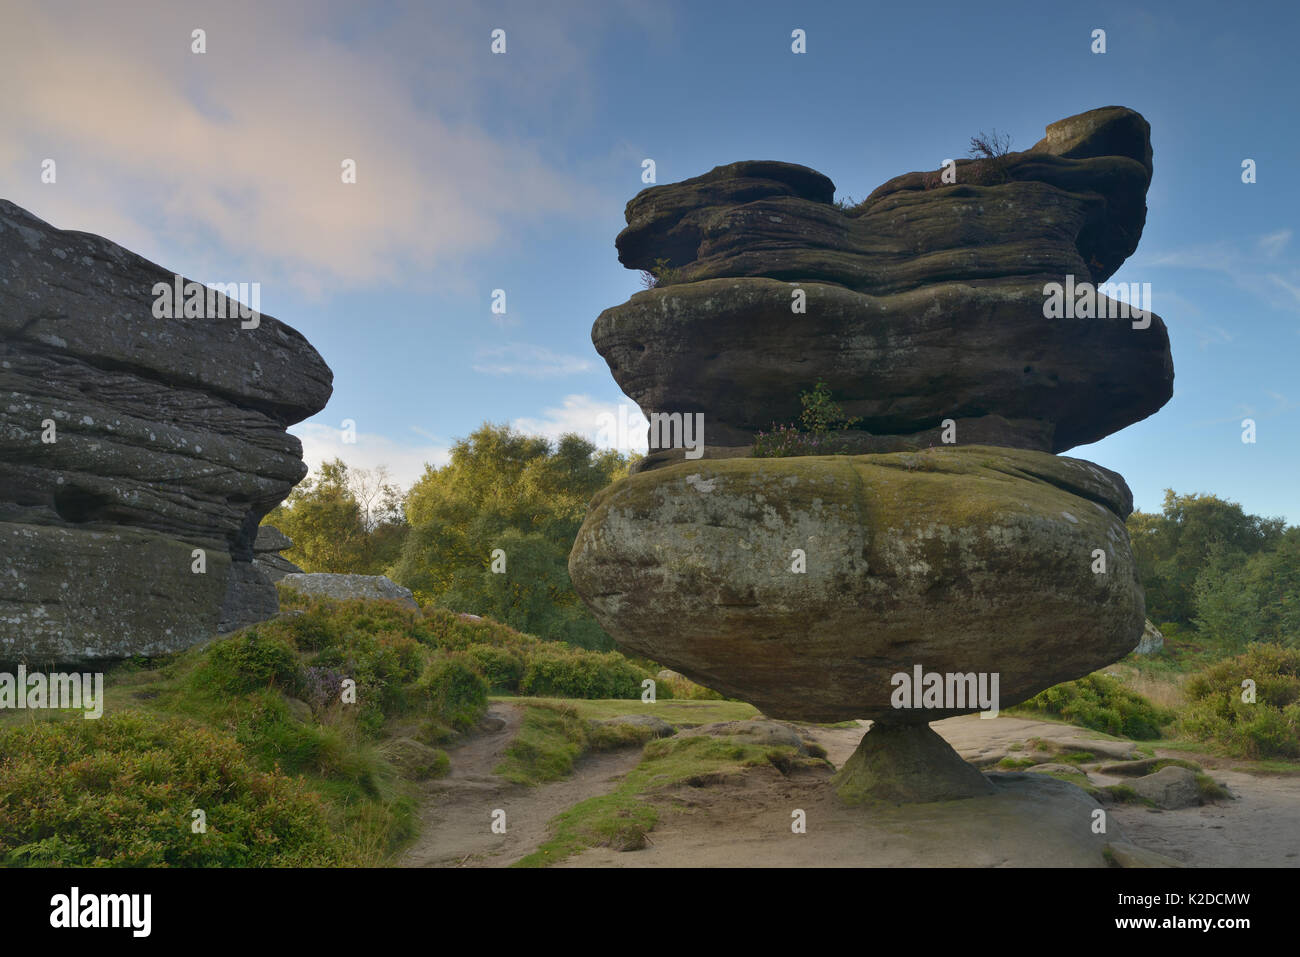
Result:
[{"x": 479, "y": 171}]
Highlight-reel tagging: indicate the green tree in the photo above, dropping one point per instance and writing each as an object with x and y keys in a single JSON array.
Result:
[
  {"x": 1273, "y": 577},
  {"x": 342, "y": 520},
  {"x": 1226, "y": 604},
  {"x": 520, "y": 494},
  {"x": 1172, "y": 548}
]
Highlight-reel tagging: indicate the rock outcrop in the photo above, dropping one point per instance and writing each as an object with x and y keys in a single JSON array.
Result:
[
  {"x": 924, "y": 303},
  {"x": 1169, "y": 788},
  {"x": 326, "y": 585},
  {"x": 138, "y": 453},
  {"x": 959, "y": 559},
  {"x": 1152, "y": 641},
  {"x": 822, "y": 587},
  {"x": 267, "y": 546}
]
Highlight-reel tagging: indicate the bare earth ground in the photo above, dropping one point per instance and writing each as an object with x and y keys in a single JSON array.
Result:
[
  {"x": 457, "y": 813},
  {"x": 745, "y": 820}
]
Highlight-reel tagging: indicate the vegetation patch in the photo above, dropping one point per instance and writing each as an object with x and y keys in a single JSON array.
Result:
[
  {"x": 122, "y": 791},
  {"x": 1101, "y": 703},
  {"x": 613, "y": 819},
  {"x": 1016, "y": 764},
  {"x": 1123, "y": 794},
  {"x": 682, "y": 714},
  {"x": 550, "y": 739},
  {"x": 1211, "y": 790},
  {"x": 1248, "y": 705},
  {"x": 819, "y": 432}
]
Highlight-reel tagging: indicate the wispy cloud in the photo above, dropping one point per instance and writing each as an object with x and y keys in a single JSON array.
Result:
[
  {"x": 616, "y": 425},
  {"x": 1245, "y": 410},
  {"x": 1273, "y": 244},
  {"x": 232, "y": 159},
  {"x": 1257, "y": 267},
  {"x": 405, "y": 461},
  {"x": 1291, "y": 288},
  {"x": 528, "y": 360}
]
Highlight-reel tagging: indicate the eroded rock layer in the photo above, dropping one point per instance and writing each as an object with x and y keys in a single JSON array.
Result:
[
  {"x": 923, "y": 303},
  {"x": 168, "y": 434}
]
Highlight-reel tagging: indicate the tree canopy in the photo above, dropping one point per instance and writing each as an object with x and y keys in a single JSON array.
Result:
[
  {"x": 342, "y": 520},
  {"x": 521, "y": 498},
  {"x": 1205, "y": 561}
]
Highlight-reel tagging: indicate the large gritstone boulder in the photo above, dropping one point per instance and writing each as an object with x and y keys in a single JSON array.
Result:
[
  {"x": 141, "y": 442},
  {"x": 804, "y": 585}
]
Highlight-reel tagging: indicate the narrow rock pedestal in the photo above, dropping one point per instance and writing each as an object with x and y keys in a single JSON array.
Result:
[{"x": 907, "y": 763}]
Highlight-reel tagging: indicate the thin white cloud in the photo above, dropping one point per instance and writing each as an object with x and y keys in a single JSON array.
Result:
[
  {"x": 528, "y": 360},
  {"x": 231, "y": 160},
  {"x": 1292, "y": 288},
  {"x": 610, "y": 425},
  {"x": 1281, "y": 406},
  {"x": 616, "y": 425},
  {"x": 1273, "y": 243},
  {"x": 405, "y": 462},
  {"x": 1242, "y": 262}
]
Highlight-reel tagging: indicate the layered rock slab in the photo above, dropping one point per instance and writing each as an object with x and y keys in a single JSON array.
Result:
[
  {"x": 170, "y": 427},
  {"x": 971, "y": 559},
  {"x": 903, "y": 363},
  {"x": 925, "y": 302}
]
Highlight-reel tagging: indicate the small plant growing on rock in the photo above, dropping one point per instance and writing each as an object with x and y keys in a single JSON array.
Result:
[
  {"x": 660, "y": 274},
  {"x": 991, "y": 150},
  {"x": 990, "y": 145},
  {"x": 821, "y": 414},
  {"x": 821, "y": 417}
]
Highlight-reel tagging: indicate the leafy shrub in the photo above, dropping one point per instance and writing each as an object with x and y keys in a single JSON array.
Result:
[
  {"x": 581, "y": 674},
  {"x": 307, "y": 623},
  {"x": 786, "y": 440},
  {"x": 681, "y": 687},
  {"x": 263, "y": 725},
  {"x": 1103, "y": 704},
  {"x": 393, "y": 652},
  {"x": 502, "y": 668},
  {"x": 320, "y": 687},
  {"x": 248, "y": 660},
  {"x": 660, "y": 274},
  {"x": 456, "y": 692},
  {"x": 821, "y": 414},
  {"x": 384, "y": 667},
  {"x": 820, "y": 419},
  {"x": 1267, "y": 727},
  {"x": 120, "y": 791}
]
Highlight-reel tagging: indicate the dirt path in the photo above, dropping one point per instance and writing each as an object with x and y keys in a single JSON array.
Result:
[
  {"x": 457, "y": 815},
  {"x": 745, "y": 820}
]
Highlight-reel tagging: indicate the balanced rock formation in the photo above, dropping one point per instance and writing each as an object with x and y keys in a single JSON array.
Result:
[
  {"x": 922, "y": 304},
  {"x": 945, "y": 547},
  {"x": 138, "y": 452}
]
